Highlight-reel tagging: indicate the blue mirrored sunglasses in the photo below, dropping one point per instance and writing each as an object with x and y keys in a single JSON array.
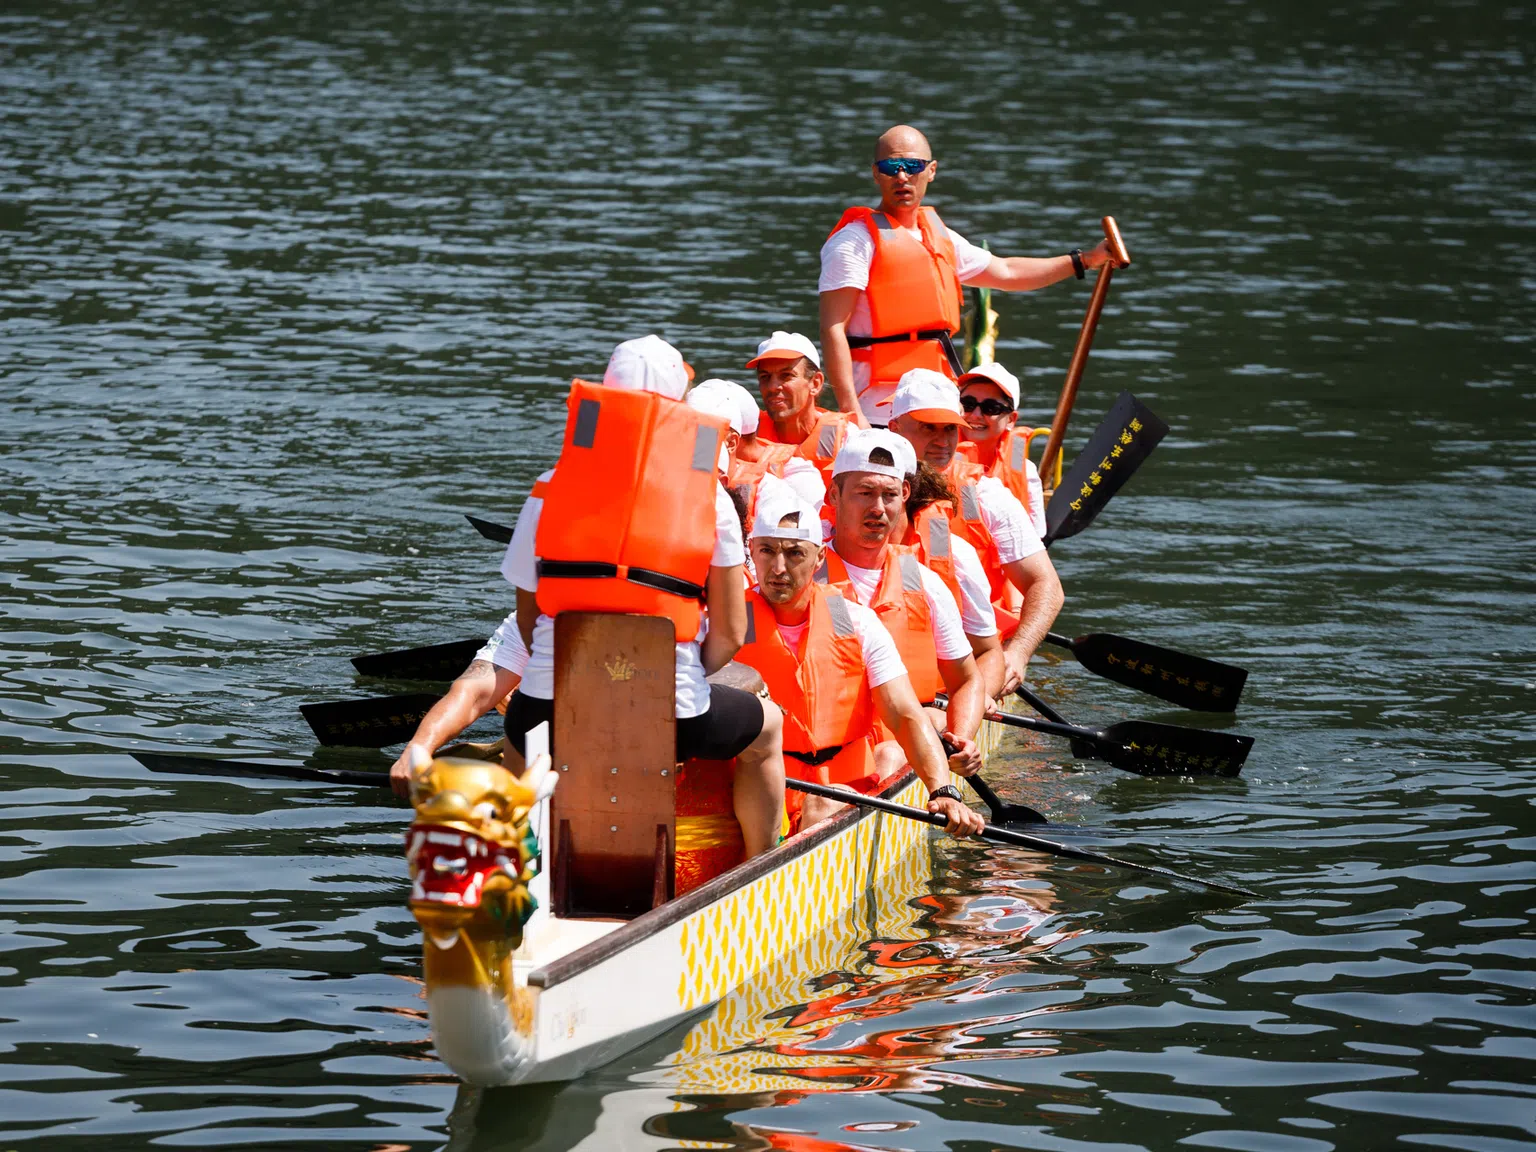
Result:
[{"x": 910, "y": 166}]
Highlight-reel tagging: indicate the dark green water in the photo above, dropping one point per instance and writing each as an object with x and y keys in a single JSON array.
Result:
[{"x": 284, "y": 291}]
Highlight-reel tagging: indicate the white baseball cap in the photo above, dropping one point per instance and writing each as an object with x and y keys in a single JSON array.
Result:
[
  {"x": 648, "y": 364},
  {"x": 776, "y": 502},
  {"x": 994, "y": 373},
  {"x": 859, "y": 443},
  {"x": 744, "y": 401},
  {"x": 785, "y": 346},
  {"x": 716, "y": 403},
  {"x": 929, "y": 396}
]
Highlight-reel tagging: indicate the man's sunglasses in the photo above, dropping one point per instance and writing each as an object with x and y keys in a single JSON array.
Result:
[
  {"x": 910, "y": 167},
  {"x": 988, "y": 407}
]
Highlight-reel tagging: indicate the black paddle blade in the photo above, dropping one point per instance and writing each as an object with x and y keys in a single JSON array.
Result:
[
  {"x": 207, "y": 766},
  {"x": 1151, "y": 749},
  {"x": 490, "y": 529},
  {"x": 1003, "y": 813},
  {"x": 369, "y": 723},
  {"x": 1189, "y": 681},
  {"x": 1117, "y": 447},
  {"x": 434, "y": 662}
]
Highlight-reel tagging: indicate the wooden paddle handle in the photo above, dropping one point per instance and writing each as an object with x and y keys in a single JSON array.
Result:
[{"x": 1119, "y": 257}]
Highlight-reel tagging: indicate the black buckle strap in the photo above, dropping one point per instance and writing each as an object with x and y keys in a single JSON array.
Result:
[
  {"x": 594, "y": 570},
  {"x": 814, "y": 758},
  {"x": 939, "y": 335}
]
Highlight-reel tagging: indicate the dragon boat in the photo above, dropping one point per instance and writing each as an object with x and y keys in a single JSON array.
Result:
[{"x": 574, "y": 912}]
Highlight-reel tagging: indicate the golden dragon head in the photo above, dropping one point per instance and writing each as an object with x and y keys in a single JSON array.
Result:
[{"x": 470, "y": 849}]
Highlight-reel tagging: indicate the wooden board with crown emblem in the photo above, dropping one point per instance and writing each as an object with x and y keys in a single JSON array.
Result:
[{"x": 614, "y": 746}]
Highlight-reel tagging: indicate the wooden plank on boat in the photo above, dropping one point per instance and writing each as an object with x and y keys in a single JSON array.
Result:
[{"x": 615, "y": 747}]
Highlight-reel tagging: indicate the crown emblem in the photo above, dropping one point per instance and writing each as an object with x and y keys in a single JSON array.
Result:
[{"x": 620, "y": 668}]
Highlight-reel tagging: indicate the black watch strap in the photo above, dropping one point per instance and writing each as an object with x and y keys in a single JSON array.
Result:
[
  {"x": 948, "y": 792},
  {"x": 1077, "y": 262}
]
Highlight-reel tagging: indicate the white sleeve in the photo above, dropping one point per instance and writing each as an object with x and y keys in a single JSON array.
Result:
[
  {"x": 520, "y": 565},
  {"x": 1036, "y": 507},
  {"x": 846, "y": 257},
  {"x": 505, "y": 647},
  {"x": 948, "y": 632},
  {"x": 805, "y": 478},
  {"x": 976, "y": 611},
  {"x": 970, "y": 261},
  {"x": 1007, "y": 521},
  {"x": 882, "y": 661},
  {"x": 729, "y": 551}
]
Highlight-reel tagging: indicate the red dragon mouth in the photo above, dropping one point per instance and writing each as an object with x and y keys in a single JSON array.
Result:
[{"x": 450, "y": 866}]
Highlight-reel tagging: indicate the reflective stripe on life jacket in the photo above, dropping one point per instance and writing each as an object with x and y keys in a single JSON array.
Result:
[
  {"x": 965, "y": 521},
  {"x": 628, "y": 523},
  {"x": 745, "y": 475},
  {"x": 1014, "y": 468},
  {"x": 913, "y": 291},
  {"x": 822, "y": 688},
  {"x": 930, "y": 535},
  {"x": 901, "y": 603}
]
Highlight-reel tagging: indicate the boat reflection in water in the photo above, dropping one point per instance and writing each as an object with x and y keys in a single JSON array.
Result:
[{"x": 892, "y": 998}]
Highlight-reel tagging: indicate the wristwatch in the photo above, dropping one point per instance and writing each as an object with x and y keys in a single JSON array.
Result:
[
  {"x": 1077, "y": 262},
  {"x": 948, "y": 792}
]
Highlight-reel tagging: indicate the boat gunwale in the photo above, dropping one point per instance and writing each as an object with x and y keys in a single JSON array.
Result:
[{"x": 572, "y": 964}]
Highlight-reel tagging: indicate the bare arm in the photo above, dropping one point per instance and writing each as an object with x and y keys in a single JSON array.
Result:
[
  {"x": 902, "y": 714},
  {"x": 836, "y": 360},
  {"x": 967, "y": 696},
  {"x": 725, "y": 594},
  {"x": 1026, "y": 273},
  {"x": 988, "y": 653},
  {"x": 1035, "y": 577},
  {"x": 471, "y": 696}
]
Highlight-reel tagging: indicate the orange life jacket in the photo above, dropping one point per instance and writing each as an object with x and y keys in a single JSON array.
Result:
[
  {"x": 965, "y": 522},
  {"x": 1012, "y": 467},
  {"x": 930, "y": 534},
  {"x": 913, "y": 288},
  {"x": 745, "y": 475},
  {"x": 821, "y": 446},
  {"x": 629, "y": 515},
  {"x": 823, "y": 688},
  {"x": 902, "y": 605}
]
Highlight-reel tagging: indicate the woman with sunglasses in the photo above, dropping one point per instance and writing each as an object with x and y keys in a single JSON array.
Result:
[
  {"x": 891, "y": 279},
  {"x": 989, "y": 397}
]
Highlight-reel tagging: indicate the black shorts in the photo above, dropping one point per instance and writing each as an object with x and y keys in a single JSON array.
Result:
[{"x": 733, "y": 721}]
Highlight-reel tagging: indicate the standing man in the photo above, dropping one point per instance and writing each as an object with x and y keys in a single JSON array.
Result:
[
  {"x": 789, "y": 377},
  {"x": 835, "y": 668},
  {"x": 891, "y": 282},
  {"x": 1026, "y": 592},
  {"x": 869, "y": 488},
  {"x": 604, "y": 548},
  {"x": 989, "y": 397}
]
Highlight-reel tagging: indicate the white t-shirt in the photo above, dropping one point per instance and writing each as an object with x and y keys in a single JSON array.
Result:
[
  {"x": 882, "y": 662},
  {"x": 520, "y": 567},
  {"x": 505, "y": 648},
  {"x": 845, "y": 262},
  {"x": 1004, "y": 517},
  {"x": 976, "y": 611},
  {"x": 1036, "y": 506},
  {"x": 948, "y": 633}
]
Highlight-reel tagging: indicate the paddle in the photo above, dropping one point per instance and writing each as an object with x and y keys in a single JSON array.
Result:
[
  {"x": 1017, "y": 839},
  {"x": 1119, "y": 257},
  {"x": 370, "y": 723},
  {"x": 1123, "y": 439},
  {"x": 1002, "y": 812},
  {"x": 434, "y": 662},
  {"x": 1189, "y": 681},
  {"x": 1145, "y": 747},
  {"x": 207, "y": 766},
  {"x": 490, "y": 529}
]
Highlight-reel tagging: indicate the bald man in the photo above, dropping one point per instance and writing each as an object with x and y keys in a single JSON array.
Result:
[{"x": 891, "y": 276}]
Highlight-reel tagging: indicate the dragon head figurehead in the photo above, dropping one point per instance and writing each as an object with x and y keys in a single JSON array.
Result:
[{"x": 470, "y": 849}]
